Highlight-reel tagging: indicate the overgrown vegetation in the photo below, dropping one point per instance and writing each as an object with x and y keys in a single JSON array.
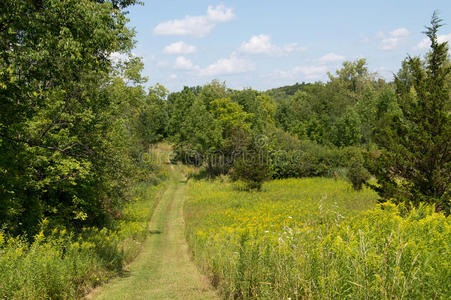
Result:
[
  {"x": 60, "y": 264},
  {"x": 316, "y": 238}
]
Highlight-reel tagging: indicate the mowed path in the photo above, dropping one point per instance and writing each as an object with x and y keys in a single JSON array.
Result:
[{"x": 163, "y": 270}]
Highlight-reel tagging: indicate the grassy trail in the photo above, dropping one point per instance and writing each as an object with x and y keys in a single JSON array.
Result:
[{"x": 163, "y": 270}]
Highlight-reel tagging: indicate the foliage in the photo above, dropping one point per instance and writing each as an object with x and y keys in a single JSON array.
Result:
[
  {"x": 414, "y": 163},
  {"x": 316, "y": 239},
  {"x": 341, "y": 112},
  {"x": 356, "y": 172},
  {"x": 206, "y": 122},
  {"x": 66, "y": 111},
  {"x": 153, "y": 116},
  {"x": 348, "y": 129},
  {"x": 62, "y": 265},
  {"x": 284, "y": 92},
  {"x": 261, "y": 108},
  {"x": 252, "y": 164},
  {"x": 306, "y": 159}
]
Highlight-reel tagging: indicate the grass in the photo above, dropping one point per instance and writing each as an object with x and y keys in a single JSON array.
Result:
[
  {"x": 316, "y": 238},
  {"x": 163, "y": 269}
]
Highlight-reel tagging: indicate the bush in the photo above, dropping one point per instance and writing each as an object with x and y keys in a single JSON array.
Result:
[
  {"x": 308, "y": 160},
  {"x": 356, "y": 172},
  {"x": 252, "y": 166}
]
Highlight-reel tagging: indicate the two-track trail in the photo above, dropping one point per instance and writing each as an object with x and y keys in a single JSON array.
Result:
[{"x": 163, "y": 269}]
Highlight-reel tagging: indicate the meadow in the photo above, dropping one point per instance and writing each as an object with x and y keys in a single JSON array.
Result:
[{"x": 316, "y": 238}]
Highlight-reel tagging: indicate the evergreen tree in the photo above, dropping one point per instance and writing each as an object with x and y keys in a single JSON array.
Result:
[
  {"x": 252, "y": 164},
  {"x": 414, "y": 164}
]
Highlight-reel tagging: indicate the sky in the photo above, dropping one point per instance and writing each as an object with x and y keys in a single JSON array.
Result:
[{"x": 266, "y": 44}]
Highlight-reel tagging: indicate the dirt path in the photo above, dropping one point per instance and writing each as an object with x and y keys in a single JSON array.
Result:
[{"x": 163, "y": 270}]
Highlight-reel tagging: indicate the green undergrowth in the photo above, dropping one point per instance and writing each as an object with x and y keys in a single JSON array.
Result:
[
  {"x": 316, "y": 238},
  {"x": 65, "y": 265}
]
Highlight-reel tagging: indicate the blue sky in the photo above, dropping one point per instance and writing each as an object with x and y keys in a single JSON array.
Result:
[{"x": 266, "y": 44}]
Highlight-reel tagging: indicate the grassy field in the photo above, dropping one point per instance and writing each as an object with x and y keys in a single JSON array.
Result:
[{"x": 315, "y": 238}]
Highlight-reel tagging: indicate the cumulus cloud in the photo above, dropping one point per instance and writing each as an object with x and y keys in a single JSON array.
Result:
[
  {"x": 261, "y": 44},
  {"x": 182, "y": 63},
  {"x": 179, "y": 48},
  {"x": 426, "y": 43},
  {"x": 308, "y": 72},
  {"x": 225, "y": 66},
  {"x": 198, "y": 26},
  {"x": 331, "y": 57},
  {"x": 394, "y": 39}
]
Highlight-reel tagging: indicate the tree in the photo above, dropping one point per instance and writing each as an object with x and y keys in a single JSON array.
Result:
[
  {"x": 153, "y": 118},
  {"x": 179, "y": 105},
  {"x": 261, "y": 108},
  {"x": 348, "y": 129},
  {"x": 356, "y": 172},
  {"x": 58, "y": 122},
  {"x": 252, "y": 165},
  {"x": 203, "y": 135},
  {"x": 414, "y": 163}
]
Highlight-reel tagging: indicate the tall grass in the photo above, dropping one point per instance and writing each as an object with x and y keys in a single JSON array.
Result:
[
  {"x": 65, "y": 265},
  {"x": 316, "y": 239}
]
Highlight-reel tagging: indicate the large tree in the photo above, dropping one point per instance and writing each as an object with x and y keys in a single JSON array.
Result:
[
  {"x": 415, "y": 160},
  {"x": 58, "y": 118}
]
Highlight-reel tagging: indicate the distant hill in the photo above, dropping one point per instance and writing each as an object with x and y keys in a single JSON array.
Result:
[{"x": 284, "y": 92}]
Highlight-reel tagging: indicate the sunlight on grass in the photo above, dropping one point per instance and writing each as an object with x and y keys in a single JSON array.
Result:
[{"x": 315, "y": 238}]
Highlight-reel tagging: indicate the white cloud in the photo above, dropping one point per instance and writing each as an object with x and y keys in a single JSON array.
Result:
[
  {"x": 444, "y": 38},
  {"x": 179, "y": 48},
  {"x": 294, "y": 47},
  {"x": 330, "y": 57},
  {"x": 224, "y": 66},
  {"x": 389, "y": 44},
  {"x": 220, "y": 14},
  {"x": 198, "y": 26},
  {"x": 400, "y": 32},
  {"x": 394, "y": 39},
  {"x": 309, "y": 72},
  {"x": 182, "y": 63},
  {"x": 173, "y": 76},
  {"x": 261, "y": 44},
  {"x": 426, "y": 43}
]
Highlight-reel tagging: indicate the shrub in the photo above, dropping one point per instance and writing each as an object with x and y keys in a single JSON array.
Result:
[
  {"x": 356, "y": 172},
  {"x": 307, "y": 160},
  {"x": 252, "y": 166}
]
